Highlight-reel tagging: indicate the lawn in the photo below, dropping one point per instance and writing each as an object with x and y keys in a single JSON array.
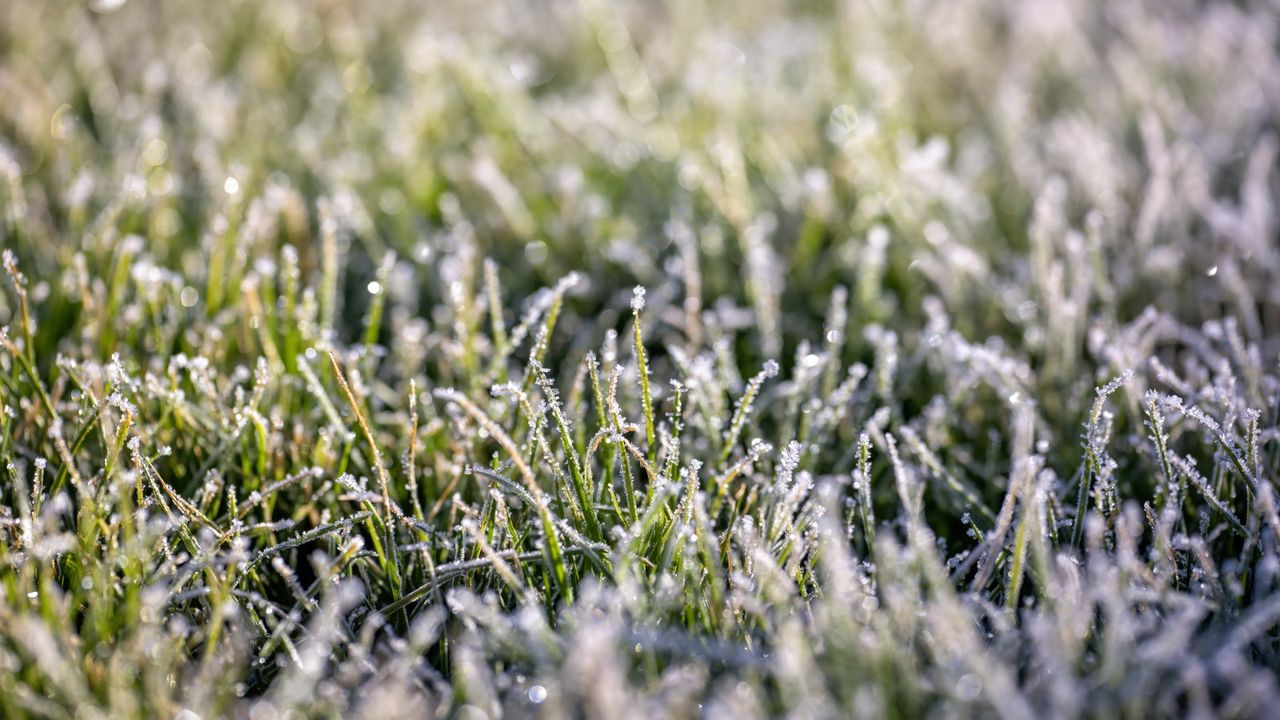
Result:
[{"x": 631, "y": 358}]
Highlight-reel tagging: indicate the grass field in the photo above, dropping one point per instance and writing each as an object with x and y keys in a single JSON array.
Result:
[{"x": 879, "y": 358}]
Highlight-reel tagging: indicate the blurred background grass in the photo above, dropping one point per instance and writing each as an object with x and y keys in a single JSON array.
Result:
[{"x": 775, "y": 149}]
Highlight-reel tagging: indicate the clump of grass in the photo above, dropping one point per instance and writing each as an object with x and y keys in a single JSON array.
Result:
[{"x": 587, "y": 360}]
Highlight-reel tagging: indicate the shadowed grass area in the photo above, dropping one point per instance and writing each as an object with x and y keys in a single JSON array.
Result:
[{"x": 614, "y": 359}]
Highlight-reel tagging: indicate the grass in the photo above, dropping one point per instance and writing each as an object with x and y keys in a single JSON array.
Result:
[{"x": 620, "y": 359}]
